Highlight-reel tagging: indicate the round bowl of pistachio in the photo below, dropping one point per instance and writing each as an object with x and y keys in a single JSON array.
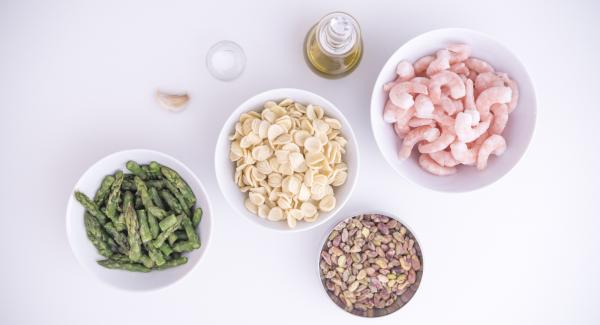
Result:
[
  {"x": 287, "y": 159},
  {"x": 139, "y": 220},
  {"x": 370, "y": 265}
]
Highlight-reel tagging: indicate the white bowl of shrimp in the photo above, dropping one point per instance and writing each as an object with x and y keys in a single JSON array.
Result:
[{"x": 453, "y": 110}]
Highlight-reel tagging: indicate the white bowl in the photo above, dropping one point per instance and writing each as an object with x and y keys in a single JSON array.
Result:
[
  {"x": 86, "y": 253},
  {"x": 225, "y": 168},
  {"x": 518, "y": 133}
]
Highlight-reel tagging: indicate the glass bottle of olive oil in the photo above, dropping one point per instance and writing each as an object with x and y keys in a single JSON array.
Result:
[{"x": 333, "y": 47}]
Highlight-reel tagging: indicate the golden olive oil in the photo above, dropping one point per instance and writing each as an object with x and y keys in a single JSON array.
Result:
[{"x": 333, "y": 47}]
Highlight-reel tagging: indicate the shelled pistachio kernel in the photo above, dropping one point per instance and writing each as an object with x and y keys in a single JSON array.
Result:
[{"x": 289, "y": 159}]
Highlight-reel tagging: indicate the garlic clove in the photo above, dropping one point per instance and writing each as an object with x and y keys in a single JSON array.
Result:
[{"x": 172, "y": 102}]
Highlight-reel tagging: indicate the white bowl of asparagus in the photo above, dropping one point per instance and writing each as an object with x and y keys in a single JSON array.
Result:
[{"x": 138, "y": 220}]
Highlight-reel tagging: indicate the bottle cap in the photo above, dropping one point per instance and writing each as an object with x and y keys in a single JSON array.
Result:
[{"x": 337, "y": 33}]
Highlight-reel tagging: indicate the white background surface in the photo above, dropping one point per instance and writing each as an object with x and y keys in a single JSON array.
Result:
[{"x": 77, "y": 82}]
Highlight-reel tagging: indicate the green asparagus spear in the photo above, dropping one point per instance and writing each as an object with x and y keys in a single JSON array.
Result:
[
  {"x": 91, "y": 207},
  {"x": 154, "y": 167},
  {"x": 180, "y": 199},
  {"x": 113, "y": 197},
  {"x": 156, "y": 198},
  {"x": 181, "y": 185},
  {"x": 172, "y": 263},
  {"x": 181, "y": 235},
  {"x": 119, "y": 238},
  {"x": 128, "y": 185},
  {"x": 197, "y": 217},
  {"x": 127, "y": 199},
  {"x": 119, "y": 222},
  {"x": 167, "y": 222},
  {"x": 111, "y": 264},
  {"x": 136, "y": 169},
  {"x": 166, "y": 249},
  {"x": 145, "y": 233},
  {"x": 94, "y": 228},
  {"x": 139, "y": 205},
  {"x": 184, "y": 246},
  {"x": 172, "y": 239},
  {"x": 120, "y": 258},
  {"x": 147, "y": 261},
  {"x": 160, "y": 239},
  {"x": 171, "y": 201},
  {"x": 153, "y": 224},
  {"x": 92, "y": 225},
  {"x": 158, "y": 212},
  {"x": 94, "y": 234},
  {"x": 104, "y": 190},
  {"x": 133, "y": 235},
  {"x": 155, "y": 254},
  {"x": 143, "y": 191},
  {"x": 190, "y": 231},
  {"x": 157, "y": 183},
  {"x": 112, "y": 244}
]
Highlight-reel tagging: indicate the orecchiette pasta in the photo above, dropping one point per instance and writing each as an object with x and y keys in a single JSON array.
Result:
[{"x": 288, "y": 159}]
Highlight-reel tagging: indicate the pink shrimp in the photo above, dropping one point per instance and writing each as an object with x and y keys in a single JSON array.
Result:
[
  {"x": 444, "y": 158},
  {"x": 462, "y": 153},
  {"x": 421, "y": 80},
  {"x": 472, "y": 75},
  {"x": 490, "y": 97},
  {"x": 441, "y": 143},
  {"x": 401, "y": 96},
  {"x": 448, "y": 105},
  {"x": 431, "y": 166},
  {"x": 469, "y": 98},
  {"x": 469, "y": 102},
  {"x": 464, "y": 131},
  {"x": 405, "y": 70},
  {"x": 402, "y": 100},
  {"x": 400, "y": 130},
  {"x": 421, "y": 64},
  {"x": 423, "y": 106},
  {"x": 460, "y": 69},
  {"x": 477, "y": 143},
  {"x": 448, "y": 79},
  {"x": 404, "y": 115},
  {"x": 500, "y": 112},
  {"x": 414, "y": 136},
  {"x": 478, "y": 65},
  {"x": 459, "y": 52},
  {"x": 495, "y": 144},
  {"x": 390, "y": 112},
  {"x": 417, "y": 121},
  {"x": 486, "y": 80},
  {"x": 458, "y": 105},
  {"x": 441, "y": 62},
  {"x": 389, "y": 85},
  {"x": 515, "y": 95},
  {"x": 444, "y": 120}
]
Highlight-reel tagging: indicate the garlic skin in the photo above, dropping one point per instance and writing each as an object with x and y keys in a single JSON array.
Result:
[{"x": 172, "y": 102}]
